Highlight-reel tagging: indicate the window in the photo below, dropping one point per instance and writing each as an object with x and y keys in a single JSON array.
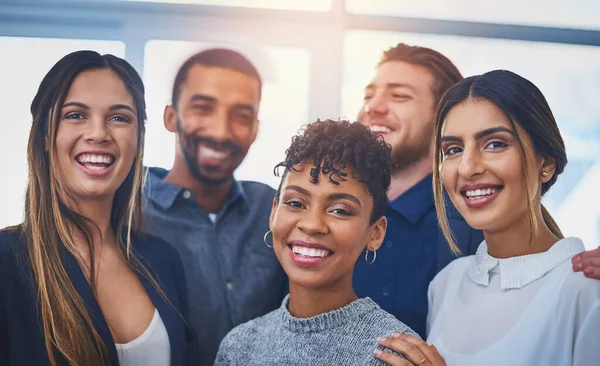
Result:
[
  {"x": 283, "y": 109},
  {"x": 309, "y": 5},
  {"x": 570, "y": 84},
  {"x": 557, "y": 13},
  {"x": 22, "y": 71}
]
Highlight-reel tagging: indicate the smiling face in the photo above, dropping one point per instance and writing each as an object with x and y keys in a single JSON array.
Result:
[
  {"x": 215, "y": 120},
  {"x": 96, "y": 142},
  {"x": 482, "y": 167},
  {"x": 399, "y": 104},
  {"x": 319, "y": 230}
]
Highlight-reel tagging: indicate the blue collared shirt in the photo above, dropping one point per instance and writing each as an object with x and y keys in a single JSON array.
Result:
[
  {"x": 232, "y": 277},
  {"x": 413, "y": 252}
]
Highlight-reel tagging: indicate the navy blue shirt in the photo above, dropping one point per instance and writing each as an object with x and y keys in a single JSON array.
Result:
[
  {"x": 232, "y": 277},
  {"x": 413, "y": 252}
]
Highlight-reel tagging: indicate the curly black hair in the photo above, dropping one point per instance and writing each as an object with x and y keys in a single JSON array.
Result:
[{"x": 334, "y": 146}]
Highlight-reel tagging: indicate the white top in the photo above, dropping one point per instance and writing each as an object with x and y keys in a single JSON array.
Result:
[
  {"x": 212, "y": 217},
  {"x": 152, "y": 348},
  {"x": 526, "y": 310}
]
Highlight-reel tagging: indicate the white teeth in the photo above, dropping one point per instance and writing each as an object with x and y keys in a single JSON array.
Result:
[
  {"x": 95, "y": 159},
  {"x": 309, "y": 252},
  {"x": 380, "y": 129},
  {"x": 477, "y": 194},
  {"x": 213, "y": 154}
]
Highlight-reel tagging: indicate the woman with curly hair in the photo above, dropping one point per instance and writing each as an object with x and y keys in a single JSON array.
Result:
[{"x": 329, "y": 208}]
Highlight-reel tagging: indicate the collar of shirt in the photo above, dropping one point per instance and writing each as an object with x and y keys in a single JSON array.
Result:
[
  {"x": 518, "y": 272},
  {"x": 164, "y": 194},
  {"x": 415, "y": 202}
]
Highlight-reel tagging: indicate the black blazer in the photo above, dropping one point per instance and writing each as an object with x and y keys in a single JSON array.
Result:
[{"x": 21, "y": 335}]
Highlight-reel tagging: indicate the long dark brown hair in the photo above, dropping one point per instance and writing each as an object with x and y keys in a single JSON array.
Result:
[
  {"x": 51, "y": 225},
  {"x": 522, "y": 103}
]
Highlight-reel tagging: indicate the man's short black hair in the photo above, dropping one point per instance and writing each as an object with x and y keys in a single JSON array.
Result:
[
  {"x": 334, "y": 147},
  {"x": 214, "y": 57}
]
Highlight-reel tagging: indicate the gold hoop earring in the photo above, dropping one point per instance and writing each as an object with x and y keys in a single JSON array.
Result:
[
  {"x": 265, "y": 239},
  {"x": 367, "y": 256},
  {"x": 544, "y": 174}
]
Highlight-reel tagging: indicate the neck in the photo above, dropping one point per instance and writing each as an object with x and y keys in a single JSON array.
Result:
[
  {"x": 306, "y": 302},
  {"x": 406, "y": 178},
  {"x": 98, "y": 211},
  {"x": 517, "y": 240},
  {"x": 210, "y": 197}
]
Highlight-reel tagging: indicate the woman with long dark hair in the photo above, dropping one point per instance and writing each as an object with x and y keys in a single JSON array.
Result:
[
  {"x": 79, "y": 284},
  {"x": 498, "y": 150}
]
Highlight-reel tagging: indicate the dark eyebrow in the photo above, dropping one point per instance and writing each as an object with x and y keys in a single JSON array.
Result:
[
  {"x": 112, "y": 108},
  {"x": 121, "y": 106},
  {"x": 331, "y": 197},
  {"x": 209, "y": 99},
  {"x": 75, "y": 104},
  {"x": 202, "y": 98},
  {"x": 344, "y": 196},
  {"x": 245, "y": 107},
  {"x": 479, "y": 135},
  {"x": 298, "y": 189}
]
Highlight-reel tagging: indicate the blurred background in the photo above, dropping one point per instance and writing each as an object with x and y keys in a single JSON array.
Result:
[{"x": 316, "y": 56}]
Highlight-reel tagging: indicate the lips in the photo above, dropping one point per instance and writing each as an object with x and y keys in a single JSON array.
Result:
[
  {"x": 479, "y": 195},
  {"x": 96, "y": 163},
  {"x": 210, "y": 156},
  {"x": 306, "y": 254}
]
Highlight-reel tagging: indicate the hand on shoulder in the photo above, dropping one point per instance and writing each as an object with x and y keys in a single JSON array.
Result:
[{"x": 588, "y": 262}]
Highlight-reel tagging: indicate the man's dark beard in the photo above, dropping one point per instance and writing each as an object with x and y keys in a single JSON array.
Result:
[
  {"x": 406, "y": 156},
  {"x": 189, "y": 146}
]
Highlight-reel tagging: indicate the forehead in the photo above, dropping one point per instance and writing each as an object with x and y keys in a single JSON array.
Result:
[
  {"x": 101, "y": 87},
  {"x": 474, "y": 115},
  {"x": 222, "y": 84},
  {"x": 400, "y": 72},
  {"x": 324, "y": 187}
]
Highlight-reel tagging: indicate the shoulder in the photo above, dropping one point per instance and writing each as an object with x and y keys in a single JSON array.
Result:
[
  {"x": 384, "y": 324},
  {"x": 241, "y": 335},
  {"x": 12, "y": 254},
  {"x": 461, "y": 264},
  {"x": 580, "y": 289},
  {"x": 10, "y": 240},
  {"x": 258, "y": 191}
]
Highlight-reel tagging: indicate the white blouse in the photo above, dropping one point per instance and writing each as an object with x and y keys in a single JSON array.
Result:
[
  {"x": 526, "y": 310},
  {"x": 152, "y": 348}
]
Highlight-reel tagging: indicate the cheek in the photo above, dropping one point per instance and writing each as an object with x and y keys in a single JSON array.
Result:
[
  {"x": 128, "y": 144},
  {"x": 448, "y": 174},
  {"x": 65, "y": 141},
  {"x": 282, "y": 224}
]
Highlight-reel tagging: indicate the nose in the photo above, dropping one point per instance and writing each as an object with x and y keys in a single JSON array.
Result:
[
  {"x": 97, "y": 131},
  {"x": 377, "y": 105},
  {"x": 312, "y": 223},
  {"x": 471, "y": 163},
  {"x": 219, "y": 127}
]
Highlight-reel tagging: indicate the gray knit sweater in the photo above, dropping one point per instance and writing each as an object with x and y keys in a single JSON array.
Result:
[{"x": 346, "y": 336}]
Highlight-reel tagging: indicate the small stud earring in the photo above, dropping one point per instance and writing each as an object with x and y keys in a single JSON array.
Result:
[{"x": 544, "y": 174}]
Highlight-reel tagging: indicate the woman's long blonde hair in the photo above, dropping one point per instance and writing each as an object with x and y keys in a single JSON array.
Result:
[
  {"x": 49, "y": 224},
  {"x": 523, "y": 104}
]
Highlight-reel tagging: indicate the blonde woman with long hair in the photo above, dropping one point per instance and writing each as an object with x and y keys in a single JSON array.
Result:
[{"x": 79, "y": 285}]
